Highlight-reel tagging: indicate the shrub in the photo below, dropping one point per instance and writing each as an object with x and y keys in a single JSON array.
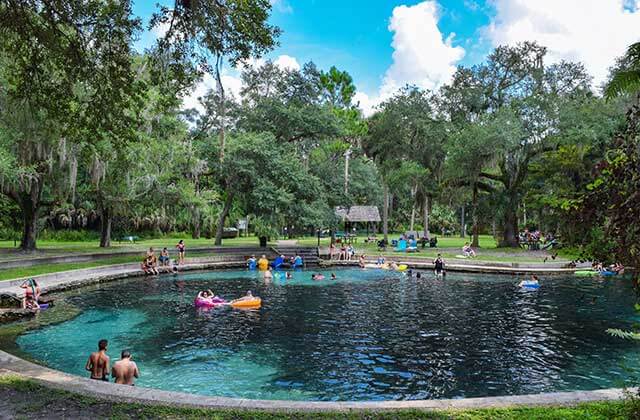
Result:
[{"x": 69, "y": 235}]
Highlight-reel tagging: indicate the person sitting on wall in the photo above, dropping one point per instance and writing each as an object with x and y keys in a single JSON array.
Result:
[
  {"x": 467, "y": 251},
  {"x": 278, "y": 262},
  {"x": 252, "y": 262},
  {"x": 263, "y": 263},
  {"x": 296, "y": 262}
]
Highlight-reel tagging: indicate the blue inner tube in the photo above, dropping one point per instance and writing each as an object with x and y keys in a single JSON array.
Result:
[{"x": 608, "y": 273}]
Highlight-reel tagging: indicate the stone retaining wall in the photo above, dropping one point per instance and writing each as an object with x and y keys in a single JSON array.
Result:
[{"x": 29, "y": 261}]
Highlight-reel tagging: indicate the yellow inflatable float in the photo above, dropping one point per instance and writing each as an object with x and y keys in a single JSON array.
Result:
[
  {"x": 386, "y": 266},
  {"x": 254, "y": 303}
]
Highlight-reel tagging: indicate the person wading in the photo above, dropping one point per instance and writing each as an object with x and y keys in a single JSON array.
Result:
[
  {"x": 98, "y": 363},
  {"x": 125, "y": 369}
]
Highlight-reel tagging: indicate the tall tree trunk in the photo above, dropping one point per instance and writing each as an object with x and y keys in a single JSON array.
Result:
[
  {"x": 510, "y": 223},
  {"x": 29, "y": 203},
  {"x": 413, "y": 217},
  {"x": 223, "y": 216},
  {"x": 223, "y": 110},
  {"x": 414, "y": 190},
  {"x": 425, "y": 217},
  {"x": 385, "y": 212},
  {"x": 463, "y": 229},
  {"x": 195, "y": 234},
  {"x": 474, "y": 217},
  {"x": 105, "y": 228},
  {"x": 195, "y": 211},
  {"x": 347, "y": 155},
  {"x": 30, "y": 209}
]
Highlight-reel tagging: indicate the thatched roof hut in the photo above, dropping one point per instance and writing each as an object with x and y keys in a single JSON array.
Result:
[{"x": 358, "y": 214}]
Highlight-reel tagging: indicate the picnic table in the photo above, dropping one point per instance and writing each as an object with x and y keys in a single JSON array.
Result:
[
  {"x": 530, "y": 245},
  {"x": 129, "y": 238},
  {"x": 347, "y": 238}
]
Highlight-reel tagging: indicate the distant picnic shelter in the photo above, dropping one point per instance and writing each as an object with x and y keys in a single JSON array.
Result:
[{"x": 354, "y": 215}]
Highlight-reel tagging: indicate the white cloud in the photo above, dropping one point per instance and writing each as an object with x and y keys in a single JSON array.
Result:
[
  {"x": 287, "y": 62},
  {"x": 159, "y": 30},
  {"x": 594, "y": 32},
  {"x": 422, "y": 55},
  {"x": 365, "y": 103},
  {"x": 231, "y": 80}
]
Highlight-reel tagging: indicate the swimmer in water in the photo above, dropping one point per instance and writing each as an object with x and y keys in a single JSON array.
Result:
[
  {"x": 98, "y": 363},
  {"x": 533, "y": 282},
  {"x": 248, "y": 296}
]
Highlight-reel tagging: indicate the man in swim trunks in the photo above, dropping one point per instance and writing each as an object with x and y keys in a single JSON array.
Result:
[
  {"x": 98, "y": 363},
  {"x": 164, "y": 259},
  {"x": 125, "y": 369}
]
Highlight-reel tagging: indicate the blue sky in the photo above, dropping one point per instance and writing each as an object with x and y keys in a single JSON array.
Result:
[
  {"x": 354, "y": 34},
  {"x": 385, "y": 44}
]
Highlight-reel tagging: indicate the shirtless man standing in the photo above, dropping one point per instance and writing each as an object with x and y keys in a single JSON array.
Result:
[
  {"x": 125, "y": 369},
  {"x": 98, "y": 363}
]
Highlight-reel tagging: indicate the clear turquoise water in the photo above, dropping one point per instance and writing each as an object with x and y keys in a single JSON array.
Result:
[{"x": 369, "y": 335}]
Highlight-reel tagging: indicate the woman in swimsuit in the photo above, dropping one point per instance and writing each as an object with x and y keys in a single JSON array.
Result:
[
  {"x": 438, "y": 265},
  {"x": 180, "y": 247},
  {"x": 31, "y": 290},
  {"x": 30, "y": 304}
]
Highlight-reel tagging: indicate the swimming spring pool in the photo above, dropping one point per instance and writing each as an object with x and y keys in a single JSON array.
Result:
[{"x": 369, "y": 335}]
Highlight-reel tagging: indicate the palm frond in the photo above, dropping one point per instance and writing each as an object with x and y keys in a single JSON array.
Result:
[
  {"x": 623, "y": 82},
  {"x": 633, "y": 54},
  {"x": 629, "y": 335}
]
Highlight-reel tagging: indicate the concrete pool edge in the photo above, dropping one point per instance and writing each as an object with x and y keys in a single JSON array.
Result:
[
  {"x": 72, "y": 279},
  {"x": 10, "y": 364}
]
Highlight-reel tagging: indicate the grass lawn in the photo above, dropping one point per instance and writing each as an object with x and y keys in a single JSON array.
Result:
[
  {"x": 449, "y": 247},
  {"x": 19, "y": 272},
  {"x": 24, "y": 398},
  {"x": 48, "y": 247},
  {"x": 15, "y": 273}
]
